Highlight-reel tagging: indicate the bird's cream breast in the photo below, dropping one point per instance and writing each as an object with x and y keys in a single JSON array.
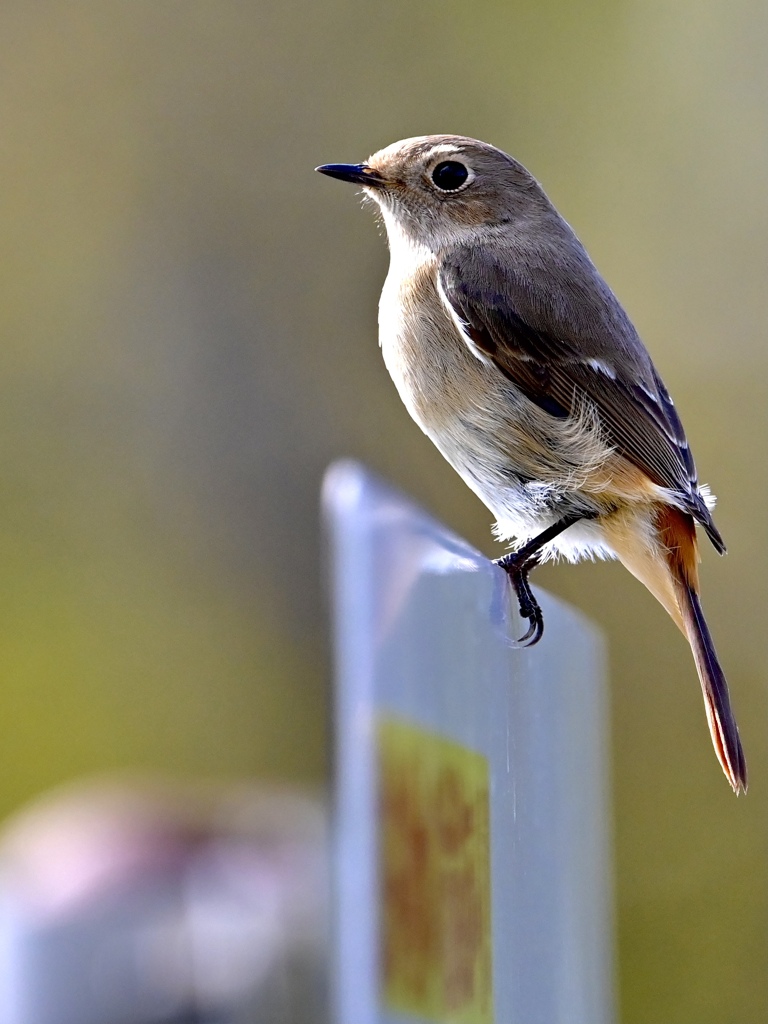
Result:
[
  {"x": 427, "y": 359},
  {"x": 492, "y": 435}
]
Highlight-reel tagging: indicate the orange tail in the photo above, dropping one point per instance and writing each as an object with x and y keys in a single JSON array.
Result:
[
  {"x": 664, "y": 556},
  {"x": 678, "y": 535},
  {"x": 722, "y": 724}
]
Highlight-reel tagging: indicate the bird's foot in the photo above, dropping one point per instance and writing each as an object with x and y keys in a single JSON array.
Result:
[{"x": 518, "y": 568}]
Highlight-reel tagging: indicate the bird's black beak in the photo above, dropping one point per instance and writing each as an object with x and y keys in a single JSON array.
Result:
[{"x": 358, "y": 174}]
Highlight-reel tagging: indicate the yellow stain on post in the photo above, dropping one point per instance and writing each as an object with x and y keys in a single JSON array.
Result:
[{"x": 434, "y": 849}]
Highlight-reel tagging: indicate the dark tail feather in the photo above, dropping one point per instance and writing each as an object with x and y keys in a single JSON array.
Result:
[
  {"x": 722, "y": 724},
  {"x": 678, "y": 535}
]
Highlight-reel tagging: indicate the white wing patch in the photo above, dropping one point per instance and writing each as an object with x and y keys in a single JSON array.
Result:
[
  {"x": 600, "y": 366},
  {"x": 650, "y": 394}
]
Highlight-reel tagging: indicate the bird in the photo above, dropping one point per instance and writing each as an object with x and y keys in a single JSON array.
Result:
[{"x": 511, "y": 352}]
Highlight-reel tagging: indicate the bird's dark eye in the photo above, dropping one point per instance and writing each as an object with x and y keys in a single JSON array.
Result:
[{"x": 450, "y": 175}]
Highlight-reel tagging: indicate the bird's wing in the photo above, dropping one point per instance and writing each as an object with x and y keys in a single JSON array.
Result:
[{"x": 562, "y": 350}]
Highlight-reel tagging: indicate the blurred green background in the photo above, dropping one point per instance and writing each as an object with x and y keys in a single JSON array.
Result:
[{"x": 188, "y": 321}]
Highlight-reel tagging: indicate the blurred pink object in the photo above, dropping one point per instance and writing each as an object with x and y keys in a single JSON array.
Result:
[{"x": 134, "y": 901}]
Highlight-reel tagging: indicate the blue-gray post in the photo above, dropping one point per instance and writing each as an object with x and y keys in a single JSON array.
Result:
[{"x": 472, "y": 862}]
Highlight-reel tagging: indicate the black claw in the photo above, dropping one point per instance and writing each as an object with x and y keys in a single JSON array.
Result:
[
  {"x": 518, "y": 570},
  {"x": 517, "y": 565},
  {"x": 536, "y": 630},
  {"x": 530, "y": 610},
  {"x": 528, "y": 639}
]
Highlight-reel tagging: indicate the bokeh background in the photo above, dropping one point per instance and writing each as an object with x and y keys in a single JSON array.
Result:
[{"x": 188, "y": 324}]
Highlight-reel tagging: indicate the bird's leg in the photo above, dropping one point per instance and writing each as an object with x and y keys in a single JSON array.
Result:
[
  {"x": 518, "y": 564},
  {"x": 529, "y": 606}
]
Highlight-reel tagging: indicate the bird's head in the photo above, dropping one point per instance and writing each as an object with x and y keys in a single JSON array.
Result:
[{"x": 439, "y": 190}]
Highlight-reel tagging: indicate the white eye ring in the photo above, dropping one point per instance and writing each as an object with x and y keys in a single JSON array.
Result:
[{"x": 449, "y": 171}]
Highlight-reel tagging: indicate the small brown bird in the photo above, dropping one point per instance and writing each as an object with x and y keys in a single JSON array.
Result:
[{"x": 514, "y": 356}]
